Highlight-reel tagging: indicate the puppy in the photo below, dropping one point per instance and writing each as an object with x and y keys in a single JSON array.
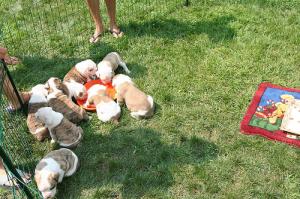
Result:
[
  {"x": 107, "y": 109},
  {"x": 140, "y": 104},
  {"x": 37, "y": 100},
  {"x": 62, "y": 131},
  {"x": 69, "y": 88},
  {"x": 54, "y": 84},
  {"x": 53, "y": 168},
  {"x": 62, "y": 104},
  {"x": 82, "y": 72},
  {"x": 76, "y": 90},
  {"x": 108, "y": 65}
]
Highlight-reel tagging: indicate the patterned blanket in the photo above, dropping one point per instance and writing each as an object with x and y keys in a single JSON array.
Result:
[{"x": 265, "y": 113}]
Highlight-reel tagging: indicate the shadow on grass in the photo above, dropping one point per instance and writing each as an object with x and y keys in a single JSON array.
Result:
[
  {"x": 217, "y": 29},
  {"x": 35, "y": 70},
  {"x": 38, "y": 69},
  {"x": 136, "y": 160},
  {"x": 100, "y": 49}
]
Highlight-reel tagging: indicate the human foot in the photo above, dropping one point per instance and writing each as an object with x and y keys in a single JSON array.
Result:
[
  {"x": 97, "y": 35},
  {"x": 115, "y": 31}
]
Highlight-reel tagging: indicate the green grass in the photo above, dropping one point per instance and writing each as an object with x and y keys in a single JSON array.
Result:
[{"x": 202, "y": 64}]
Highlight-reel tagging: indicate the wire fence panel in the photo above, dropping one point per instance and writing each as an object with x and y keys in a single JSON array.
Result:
[
  {"x": 37, "y": 27},
  {"x": 16, "y": 142}
]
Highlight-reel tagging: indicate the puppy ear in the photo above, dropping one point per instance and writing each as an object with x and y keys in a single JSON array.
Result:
[
  {"x": 47, "y": 87},
  {"x": 64, "y": 89},
  {"x": 80, "y": 94},
  {"x": 54, "y": 178}
]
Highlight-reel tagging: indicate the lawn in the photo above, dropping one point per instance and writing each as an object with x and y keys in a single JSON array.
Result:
[{"x": 201, "y": 64}]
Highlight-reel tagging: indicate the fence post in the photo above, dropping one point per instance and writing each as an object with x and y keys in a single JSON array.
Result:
[
  {"x": 14, "y": 86},
  {"x": 13, "y": 170},
  {"x": 187, "y": 3}
]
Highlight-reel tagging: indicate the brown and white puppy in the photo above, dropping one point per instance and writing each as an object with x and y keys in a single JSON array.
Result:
[
  {"x": 140, "y": 104},
  {"x": 62, "y": 131},
  {"x": 37, "y": 100},
  {"x": 108, "y": 65},
  {"x": 69, "y": 88},
  {"x": 82, "y": 72},
  {"x": 63, "y": 104},
  {"x": 107, "y": 109},
  {"x": 54, "y": 84},
  {"x": 76, "y": 90},
  {"x": 53, "y": 168}
]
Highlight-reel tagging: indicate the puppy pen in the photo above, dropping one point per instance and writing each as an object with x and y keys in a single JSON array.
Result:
[{"x": 33, "y": 30}]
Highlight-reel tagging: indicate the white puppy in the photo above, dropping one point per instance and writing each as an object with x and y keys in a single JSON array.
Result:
[
  {"x": 62, "y": 131},
  {"x": 140, "y": 104},
  {"x": 107, "y": 109},
  {"x": 82, "y": 72},
  {"x": 37, "y": 100},
  {"x": 108, "y": 65},
  {"x": 53, "y": 168}
]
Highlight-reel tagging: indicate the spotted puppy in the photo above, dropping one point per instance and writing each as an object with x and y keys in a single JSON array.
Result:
[
  {"x": 82, "y": 72},
  {"x": 69, "y": 88},
  {"x": 54, "y": 84},
  {"x": 53, "y": 168},
  {"x": 62, "y": 104},
  {"x": 62, "y": 131},
  {"x": 107, "y": 109},
  {"x": 37, "y": 100},
  {"x": 108, "y": 65},
  {"x": 140, "y": 104}
]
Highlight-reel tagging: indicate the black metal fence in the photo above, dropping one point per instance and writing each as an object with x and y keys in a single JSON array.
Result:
[
  {"x": 38, "y": 28},
  {"x": 15, "y": 144}
]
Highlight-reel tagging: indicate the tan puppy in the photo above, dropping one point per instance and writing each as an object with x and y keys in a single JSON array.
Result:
[
  {"x": 62, "y": 131},
  {"x": 62, "y": 104},
  {"x": 107, "y": 109},
  {"x": 53, "y": 168},
  {"x": 37, "y": 100},
  {"x": 140, "y": 104},
  {"x": 82, "y": 72},
  {"x": 108, "y": 65}
]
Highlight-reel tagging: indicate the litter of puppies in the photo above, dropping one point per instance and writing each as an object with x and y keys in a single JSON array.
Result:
[{"x": 54, "y": 114}]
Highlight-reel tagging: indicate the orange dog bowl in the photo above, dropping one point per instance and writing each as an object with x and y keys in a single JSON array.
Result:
[{"x": 109, "y": 89}]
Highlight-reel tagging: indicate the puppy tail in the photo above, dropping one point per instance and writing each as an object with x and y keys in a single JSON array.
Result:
[
  {"x": 122, "y": 63},
  {"x": 151, "y": 101}
]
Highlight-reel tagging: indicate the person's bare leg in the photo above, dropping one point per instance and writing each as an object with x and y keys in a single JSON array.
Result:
[
  {"x": 111, "y": 10},
  {"x": 95, "y": 12}
]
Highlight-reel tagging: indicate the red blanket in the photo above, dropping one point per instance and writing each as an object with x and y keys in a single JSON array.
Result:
[{"x": 265, "y": 113}]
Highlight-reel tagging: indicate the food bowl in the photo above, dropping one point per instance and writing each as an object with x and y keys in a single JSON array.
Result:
[{"x": 109, "y": 89}]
